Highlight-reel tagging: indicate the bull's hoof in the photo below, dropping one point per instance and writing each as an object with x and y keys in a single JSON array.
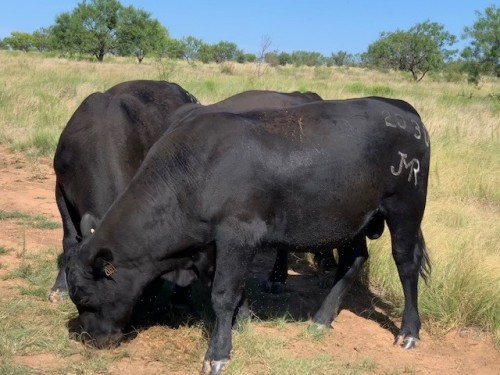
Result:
[
  {"x": 274, "y": 287},
  {"x": 214, "y": 367},
  {"x": 318, "y": 330},
  {"x": 56, "y": 296},
  {"x": 242, "y": 318},
  {"x": 408, "y": 342}
]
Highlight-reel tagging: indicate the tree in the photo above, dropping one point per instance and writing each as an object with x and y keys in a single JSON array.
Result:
[
  {"x": 265, "y": 44},
  {"x": 418, "y": 50},
  {"x": 90, "y": 28},
  {"x": 285, "y": 58},
  {"x": 250, "y": 57},
  {"x": 482, "y": 56},
  {"x": 174, "y": 49},
  {"x": 225, "y": 51},
  {"x": 300, "y": 58},
  {"x": 240, "y": 56},
  {"x": 340, "y": 58},
  {"x": 42, "y": 40},
  {"x": 19, "y": 41},
  {"x": 206, "y": 53},
  {"x": 137, "y": 34},
  {"x": 67, "y": 34},
  {"x": 191, "y": 48},
  {"x": 272, "y": 58}
]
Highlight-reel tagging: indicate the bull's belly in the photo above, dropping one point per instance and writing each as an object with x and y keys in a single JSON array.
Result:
[{"x": 328, "y": 232}]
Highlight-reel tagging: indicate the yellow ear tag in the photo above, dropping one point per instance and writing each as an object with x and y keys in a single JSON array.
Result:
[{"x": 109, "y": 269}]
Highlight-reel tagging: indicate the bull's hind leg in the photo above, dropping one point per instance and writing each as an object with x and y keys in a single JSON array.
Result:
[
  {"x": 408, "y": 248},
  {"x": 277, "y": 278},
  {"x": 351, "y": 258}
]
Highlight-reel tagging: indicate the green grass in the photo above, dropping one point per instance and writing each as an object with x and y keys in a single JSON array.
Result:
[
  {"x": 33, "y": 221},
  {"x": 366, "y": 90},
  {"x": 460, "y": 292},
  {"x": 36, "y": 268},
  {"x": 9, "y": 368},
  {"x": 4, "y": 250}
]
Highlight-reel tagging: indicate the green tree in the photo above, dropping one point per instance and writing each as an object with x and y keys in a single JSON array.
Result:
[
  {"x": 482, "y": 56},
  {"x": 240, "y": 56},
  {"x": 19, "y": 41},
  {"x": 68, "y": 34},
  {"x": 285, "y": 58},
  {"x": 272, "y": 58},
  {"x": 418, "y": 50},
  {"x": 191, "y": 48},
  {"x": 174, "y": 49},
  {"x": 250, "y": 57},
  {"x": 225, "y": 51},
  {"x": 137, "y": 34},
  {"x": 42, "y": 40},
  {"x": 89, "y": 28},
  {"x": 300, "y": 58},
  {"x": 206, "y": 53},
  {"x": 340, "y": 58}
]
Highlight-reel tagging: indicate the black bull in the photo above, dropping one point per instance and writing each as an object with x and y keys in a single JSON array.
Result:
[
  {"x": 307, "y": 177},
  {"x": 108, "y": 136},
  {"x": 101, "y": 148}
]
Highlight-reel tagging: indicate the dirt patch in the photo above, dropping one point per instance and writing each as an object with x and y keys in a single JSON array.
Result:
[{"x": 362, "y": 331}]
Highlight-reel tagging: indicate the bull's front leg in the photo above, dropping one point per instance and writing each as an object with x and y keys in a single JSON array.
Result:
[{"x": 227, "y": 292}]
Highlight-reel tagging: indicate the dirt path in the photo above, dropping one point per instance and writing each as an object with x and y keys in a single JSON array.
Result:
[{"x": 361, "y": 331}]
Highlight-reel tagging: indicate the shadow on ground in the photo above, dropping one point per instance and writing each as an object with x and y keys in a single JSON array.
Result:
[{"x": 163, "y": 304}]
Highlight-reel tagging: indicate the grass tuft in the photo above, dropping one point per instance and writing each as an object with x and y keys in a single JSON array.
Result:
[{"x": 33, "y": 221}]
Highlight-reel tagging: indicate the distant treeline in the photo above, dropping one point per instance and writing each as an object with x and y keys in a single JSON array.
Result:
[{"x": 103, "y": 27}]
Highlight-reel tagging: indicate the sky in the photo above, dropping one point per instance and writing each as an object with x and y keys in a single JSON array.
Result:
[{"x": 323, "y": 26}]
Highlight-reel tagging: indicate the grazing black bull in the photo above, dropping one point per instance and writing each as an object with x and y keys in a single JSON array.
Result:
[
  {"x": 101, "y": 148},
  {"x": 307, "y": 177},
  {"x": 109, "y": 135}
]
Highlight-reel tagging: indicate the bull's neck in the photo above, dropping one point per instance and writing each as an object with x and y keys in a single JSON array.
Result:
[{"x": 146, "y": 227}]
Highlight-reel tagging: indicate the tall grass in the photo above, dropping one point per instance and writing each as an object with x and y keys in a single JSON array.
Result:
[{"x": 461, "y": 224}]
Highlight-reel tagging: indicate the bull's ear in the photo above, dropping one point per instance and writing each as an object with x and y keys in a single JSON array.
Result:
[
  {"x": 88, "y": 224},
  {"x": 103, "y": 262}
]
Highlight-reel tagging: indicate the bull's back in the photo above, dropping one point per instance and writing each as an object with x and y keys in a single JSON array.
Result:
[
  {"x": 97, "y": 154},
  {"x": 334, "y": 160},
  {"x": 264, "y": 99}
]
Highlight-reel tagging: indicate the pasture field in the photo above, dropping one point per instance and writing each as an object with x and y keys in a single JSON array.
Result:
[{"x": 460, "y": 306}]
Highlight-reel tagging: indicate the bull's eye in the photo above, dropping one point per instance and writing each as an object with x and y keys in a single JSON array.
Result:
[{"x": 85, "y": 300}]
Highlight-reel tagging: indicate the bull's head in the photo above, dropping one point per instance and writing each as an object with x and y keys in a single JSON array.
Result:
[{"x": 103, "y": 292}]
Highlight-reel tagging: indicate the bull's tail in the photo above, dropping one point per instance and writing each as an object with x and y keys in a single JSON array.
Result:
[{"x": 425, "y": 263}]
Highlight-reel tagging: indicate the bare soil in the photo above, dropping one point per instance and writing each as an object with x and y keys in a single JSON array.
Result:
[{"x": 364, "y": 329}]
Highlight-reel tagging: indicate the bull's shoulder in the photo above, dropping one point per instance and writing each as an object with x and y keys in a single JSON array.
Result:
[
  {"x": 309, "y": 96},
  {"x": 154, "y": 93}
]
